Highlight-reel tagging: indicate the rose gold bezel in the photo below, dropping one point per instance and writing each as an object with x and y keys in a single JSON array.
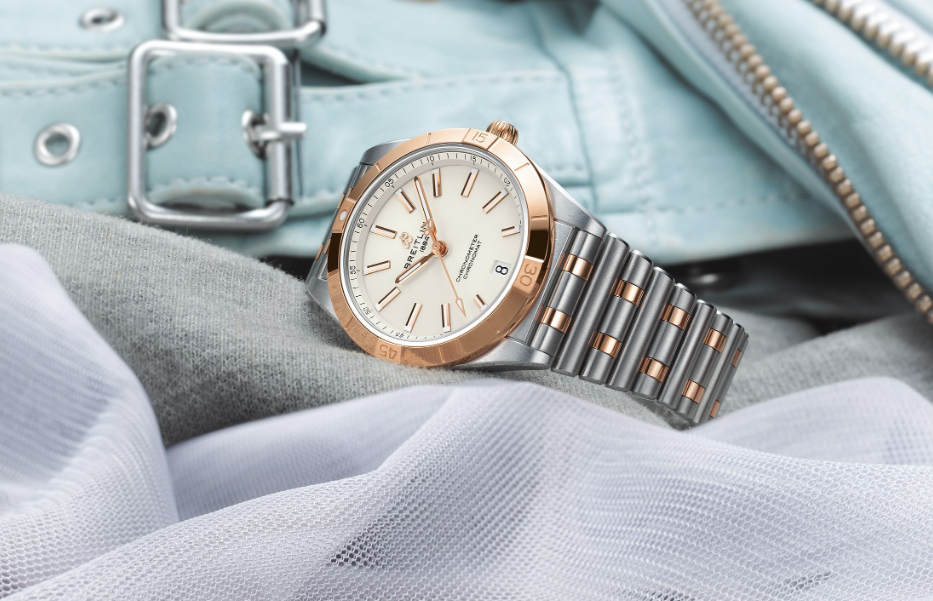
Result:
[{"x": 518, "y": 298}]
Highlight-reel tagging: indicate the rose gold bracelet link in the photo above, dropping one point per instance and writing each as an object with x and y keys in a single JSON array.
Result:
[
  {"x": 653, "y": 369},
  {"x": 693, "y": 391},
  {"x": 737, "y": 358},
  {"x": 676, "y": 316},
  {"x": 628, "y": 291},
  {"x": 715, "y": 409},
  {"x": 556, "y": 319},
  {"x": 578, "y": 266},
  {"x": 607, "y": 344},
  {"x": 715, "y": 339}
]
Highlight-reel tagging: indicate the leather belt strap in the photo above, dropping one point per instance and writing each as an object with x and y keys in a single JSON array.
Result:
[{"x": 208, "y": 163}]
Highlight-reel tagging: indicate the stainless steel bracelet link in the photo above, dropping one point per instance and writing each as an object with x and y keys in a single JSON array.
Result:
[{"x": 615, "y": 319}]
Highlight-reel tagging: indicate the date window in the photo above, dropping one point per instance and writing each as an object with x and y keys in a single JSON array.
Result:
[{"x": 501, "y": 268}]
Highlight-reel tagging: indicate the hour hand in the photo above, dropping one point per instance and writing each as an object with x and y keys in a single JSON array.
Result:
[{"x": 413, "y": 269}]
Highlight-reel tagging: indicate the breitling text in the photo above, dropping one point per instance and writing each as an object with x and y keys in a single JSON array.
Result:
[{"x": 470, "y": 257}]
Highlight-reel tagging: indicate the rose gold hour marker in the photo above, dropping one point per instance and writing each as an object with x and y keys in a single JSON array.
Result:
[
  {"x": 445, "y": 317},
  {"x": 495, "y": 200},
  {"x": 413, "y": 317},
  {"x": 471, "y": 179},
  {"x": 383, "y": 231},
  {"x": 388, "y": 298},
  {"x": 436, "y": 180},
  {"x": 406, "y": 202},
  {"x": 382, "y": 266},
  {"x": 479, "y": 301},
  {"x": 510, "y": 231}
]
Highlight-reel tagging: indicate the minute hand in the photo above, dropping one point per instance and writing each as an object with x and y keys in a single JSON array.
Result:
[{"x": 426, "y": 209}]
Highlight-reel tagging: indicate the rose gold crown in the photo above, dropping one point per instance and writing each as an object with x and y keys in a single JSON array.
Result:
[{"x": 504, "y": 130}]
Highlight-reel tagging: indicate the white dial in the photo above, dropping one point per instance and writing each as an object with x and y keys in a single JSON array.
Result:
[{"x": 434, "y": 244}]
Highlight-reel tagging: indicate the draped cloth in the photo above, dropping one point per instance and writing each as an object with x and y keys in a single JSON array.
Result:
[{"x": 488, "y": 489}]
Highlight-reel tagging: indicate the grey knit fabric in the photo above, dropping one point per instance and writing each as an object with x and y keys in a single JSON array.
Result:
[{"x": 218, "y": 339}]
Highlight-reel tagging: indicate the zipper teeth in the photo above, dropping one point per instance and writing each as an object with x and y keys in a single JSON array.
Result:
[
  {"x": 886, "y": 29},
  {"x": 779, "y": 106}
]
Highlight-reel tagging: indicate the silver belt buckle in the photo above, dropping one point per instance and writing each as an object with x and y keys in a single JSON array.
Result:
[
  {"x": 309, "y": 27},
  {"x": 273, "y": 135}
]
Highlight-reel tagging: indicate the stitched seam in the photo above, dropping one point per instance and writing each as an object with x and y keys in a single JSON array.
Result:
[
  {"x": 76, "y": 89},
  {"x": 539, "y": 38},
  {"x": 99, "y": 201},
  {"x": 237, "y": 183},
  {"x": 171, "y": 64},
  {"x": 367, "y": 63},
  {"x": 728, "y": 204},
  {"x": 43, "y": 70},
  {"x": 265, "y": 20},
  {"x": 173, "y": 183},
  {"x": 195, "y": 6},
  {"x": 398, "y": 89},
  {"x": 53, "y": 47},
  {"x": 121, "y": 78},
  {"x": 628, "y": 126}
]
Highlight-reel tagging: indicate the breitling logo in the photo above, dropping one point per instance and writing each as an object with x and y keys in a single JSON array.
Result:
[{"x": 416, "y": 246}]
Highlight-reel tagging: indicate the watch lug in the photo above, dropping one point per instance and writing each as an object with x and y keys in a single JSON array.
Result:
[
  {"x": 509, "y": 355},
  {"x": 369, "y": 158},
  {"x": 568, "y": 210},
  {"x": 316, "y": 285},
  {"x": 378, "y": 151}
]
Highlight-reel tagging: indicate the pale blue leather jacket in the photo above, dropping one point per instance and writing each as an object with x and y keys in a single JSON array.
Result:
[{"x": 632, "y": 105}]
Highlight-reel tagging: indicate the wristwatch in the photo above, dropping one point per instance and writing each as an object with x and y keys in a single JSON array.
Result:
[{"x": 455, "y": 249}]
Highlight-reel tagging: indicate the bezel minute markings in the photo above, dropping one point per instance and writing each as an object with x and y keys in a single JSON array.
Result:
[
  {"x": 376, "y": 267},
  {"x": 406, "y": 202},
  {"x": 495, "y": 200},
  {"x": 468, "y": 185},
  {"x": 383, "y": 231},
  {"x": 388, "y": 298}
]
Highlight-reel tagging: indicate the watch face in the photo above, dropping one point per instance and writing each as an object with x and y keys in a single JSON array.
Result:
[{"x": 434, "y": 244}]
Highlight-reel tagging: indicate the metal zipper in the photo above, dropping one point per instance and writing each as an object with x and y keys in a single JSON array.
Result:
[
  {"x": 773, "y": 101},
  {"x": 888, "y": 29}
]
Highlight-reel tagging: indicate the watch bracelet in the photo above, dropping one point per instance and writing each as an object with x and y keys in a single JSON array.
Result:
[{"x": 615, "y": 319}]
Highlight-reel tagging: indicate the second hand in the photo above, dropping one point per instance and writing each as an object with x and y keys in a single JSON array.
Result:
[
  {"x": 438, "y": 245},
  {"x": 449, "y": 279}
]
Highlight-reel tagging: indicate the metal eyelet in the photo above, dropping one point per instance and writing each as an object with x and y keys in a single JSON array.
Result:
[
  {"x": 102, "y": 19},
  {"x": 54, "y": 136},
  {"x": 161, "y": 122}
]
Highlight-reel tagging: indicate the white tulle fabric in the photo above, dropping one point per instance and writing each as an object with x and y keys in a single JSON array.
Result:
[{"x": 501, "y": 491}]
